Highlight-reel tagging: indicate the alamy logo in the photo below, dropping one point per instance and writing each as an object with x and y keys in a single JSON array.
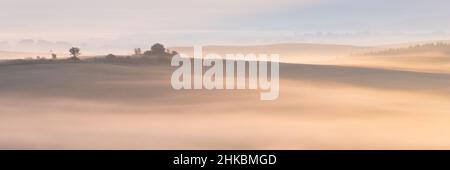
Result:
[{"x": 242, "y": 71}]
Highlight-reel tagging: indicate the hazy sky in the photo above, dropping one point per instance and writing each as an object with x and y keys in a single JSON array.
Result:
[{"x": 123, "y": 24}]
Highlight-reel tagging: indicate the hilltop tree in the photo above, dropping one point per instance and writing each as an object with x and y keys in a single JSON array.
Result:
[
  {"x": 158, "y": 49},
  {"x": 75, "y": 52},
  {"x": 159, "y": 53}
]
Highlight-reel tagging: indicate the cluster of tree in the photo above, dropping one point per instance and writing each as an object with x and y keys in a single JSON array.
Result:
[{"x": 158, "y": 51}]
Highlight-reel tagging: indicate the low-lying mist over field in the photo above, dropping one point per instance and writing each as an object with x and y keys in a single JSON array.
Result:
[{"x": 345, "y": 97}]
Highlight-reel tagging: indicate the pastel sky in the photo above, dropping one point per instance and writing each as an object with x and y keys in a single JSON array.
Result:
[{"x": 125, "y": 24}]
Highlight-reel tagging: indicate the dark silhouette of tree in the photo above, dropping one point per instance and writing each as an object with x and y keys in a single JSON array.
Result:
[
  {"x": 158, "y": 49},
  {"x": 137, "y": 51},
  {"x": 147, "y": 53},
  {"x": 75, "y": 52},
  {"x": 420, "y": 48},
  {"x": 110, "y": 57},
  {"x": 159, "y": 53}
]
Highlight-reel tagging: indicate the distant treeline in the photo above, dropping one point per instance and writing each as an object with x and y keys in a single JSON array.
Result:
[
  {"x": 157, "y": 54},
  {"x": 421, "y": 48}
]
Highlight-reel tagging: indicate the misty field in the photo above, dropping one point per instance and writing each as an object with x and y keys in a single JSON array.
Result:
[{"x": 132, "y": 106}]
